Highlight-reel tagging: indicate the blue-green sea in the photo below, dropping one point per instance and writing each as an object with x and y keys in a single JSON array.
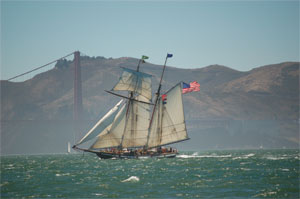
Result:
[{"x": 209, "y": 174}]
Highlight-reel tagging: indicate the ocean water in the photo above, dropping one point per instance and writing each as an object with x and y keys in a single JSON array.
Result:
[{"x": 210, "y": 174}]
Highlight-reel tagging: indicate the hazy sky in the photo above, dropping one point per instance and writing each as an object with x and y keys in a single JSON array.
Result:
[{"x": 238, "y": 34}]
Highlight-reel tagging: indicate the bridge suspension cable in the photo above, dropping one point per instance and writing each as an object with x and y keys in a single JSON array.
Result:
[{"x": 40, "y": 67}]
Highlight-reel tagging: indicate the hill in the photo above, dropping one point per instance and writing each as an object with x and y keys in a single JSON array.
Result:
[{"x": 233, "y": 109}]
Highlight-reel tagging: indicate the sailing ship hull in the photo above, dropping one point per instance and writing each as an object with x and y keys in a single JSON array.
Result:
[{"x": 108, "y": 155}]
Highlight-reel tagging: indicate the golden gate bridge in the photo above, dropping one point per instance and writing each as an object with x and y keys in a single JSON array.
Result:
[{"x": 78, "y": 108}]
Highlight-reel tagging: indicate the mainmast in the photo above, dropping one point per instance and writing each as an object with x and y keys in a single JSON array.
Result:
[
  {"x": 130, "y": 100},
  {"x": 157, "y": 96}
]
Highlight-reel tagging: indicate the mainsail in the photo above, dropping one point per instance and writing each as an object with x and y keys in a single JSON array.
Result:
[
  {"x": 168, "y": 125},
  {"x": 136, "y": 131}
]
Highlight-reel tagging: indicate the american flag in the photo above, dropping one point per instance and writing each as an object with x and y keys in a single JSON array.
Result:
[{"x": 192, "y": 87}]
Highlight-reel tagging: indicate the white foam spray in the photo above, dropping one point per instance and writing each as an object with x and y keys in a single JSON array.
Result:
[{"x": 132, "y": 179}]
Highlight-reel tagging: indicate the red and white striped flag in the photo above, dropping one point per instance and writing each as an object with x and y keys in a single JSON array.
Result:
[{"x": 192, "y": 87}]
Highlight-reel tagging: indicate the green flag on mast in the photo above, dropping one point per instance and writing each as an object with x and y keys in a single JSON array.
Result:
[{"x": 145, "y": 57}]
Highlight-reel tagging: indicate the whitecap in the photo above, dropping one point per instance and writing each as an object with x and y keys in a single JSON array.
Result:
[
  {"x": 275, "y": 158},
  {"x": 195, "y": 155},
  {"x": 63, "y": 174},
  {"x": 185, "y": 156},
  {"x": 143, "y": 157},
  {"x": 285, "y": 170},
  {"x": 265, "y": 194},
  {"x": 245, "y": 169},
  {"x": 132, "y": 179},
  {"x": 4, "y": 183},
  {"x": 215, "y": 156},
  {"x": 244, "y": 156}
]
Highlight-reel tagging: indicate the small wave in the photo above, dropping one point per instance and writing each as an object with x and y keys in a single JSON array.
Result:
[
  {"x": 215, "y": 156},
  {"x": 144, "y": 157},
  {"x": 4, "y": 183},
  {"x": 285, "y": 170},
  {"x": 246, "y": 169},
  {"x": 63, "y": 174},
  {"x": 266, "y": 194},
  {"x": 275, "y": 158},
  {"x": 132, "y": 179},
  {"x": 195, "y": 155},
  {"x": 244, "y": 156},
  {"x": 186, "y": 156},
  {"x": 250, "y": 155}
]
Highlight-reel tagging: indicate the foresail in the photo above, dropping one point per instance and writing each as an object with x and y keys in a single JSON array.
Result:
[
  {"x": 136, "y": 132},
  {"x": 102, "y": 124},
  {"x": 135, "y": 81},
  {"x": 168, "y": 124},
  {"x": 112, "y": 135}
]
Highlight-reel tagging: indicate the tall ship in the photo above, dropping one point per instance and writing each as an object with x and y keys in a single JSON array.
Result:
[{"x": 139, "y": 125}]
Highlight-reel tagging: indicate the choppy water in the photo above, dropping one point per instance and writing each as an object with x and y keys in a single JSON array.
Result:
[{"x": 212, "y": 174}]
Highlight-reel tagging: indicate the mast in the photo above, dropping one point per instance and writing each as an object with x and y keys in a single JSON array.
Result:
[
  {"x": 130, "y": 103},
  {"x": 157, "y": 96}
]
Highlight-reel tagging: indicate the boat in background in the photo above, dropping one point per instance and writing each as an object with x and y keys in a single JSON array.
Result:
[
  {"x": 135, "y": 127},
  {"x": 69, "y": 148}
]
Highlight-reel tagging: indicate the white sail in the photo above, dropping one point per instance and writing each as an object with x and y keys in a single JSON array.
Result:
[
  {"x": 168, "y": 125},
  {"x": 102, "y": 124},
  {"x": 136, "y": 132},
  {"x": 69, "y": 147},
  {"x": 112, "y": 135},
  {"x": 134, "y": 81}
]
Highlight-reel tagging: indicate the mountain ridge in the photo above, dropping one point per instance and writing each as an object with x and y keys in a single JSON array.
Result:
[{"x": 262, "y": 102}]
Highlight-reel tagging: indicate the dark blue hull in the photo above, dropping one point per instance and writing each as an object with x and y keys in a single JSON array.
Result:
[{"x": 109, "y": 155}]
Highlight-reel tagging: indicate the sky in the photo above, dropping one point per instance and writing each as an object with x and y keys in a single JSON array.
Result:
[{"x": 239, "y": 34}]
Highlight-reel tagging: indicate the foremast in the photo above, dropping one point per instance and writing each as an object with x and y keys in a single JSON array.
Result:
[
  {"x": 167, "y": 124},
  {"x": 156, "y": 99}
]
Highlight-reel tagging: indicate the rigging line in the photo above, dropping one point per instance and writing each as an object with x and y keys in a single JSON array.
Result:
[
  {"x": 128, "y": 97},
  {"x": 39, "y": 67}
]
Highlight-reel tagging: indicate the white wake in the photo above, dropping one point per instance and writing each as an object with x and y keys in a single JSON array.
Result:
[
  {"x": 132, "y": 179},
  {"x": 195, "y": 155}
]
